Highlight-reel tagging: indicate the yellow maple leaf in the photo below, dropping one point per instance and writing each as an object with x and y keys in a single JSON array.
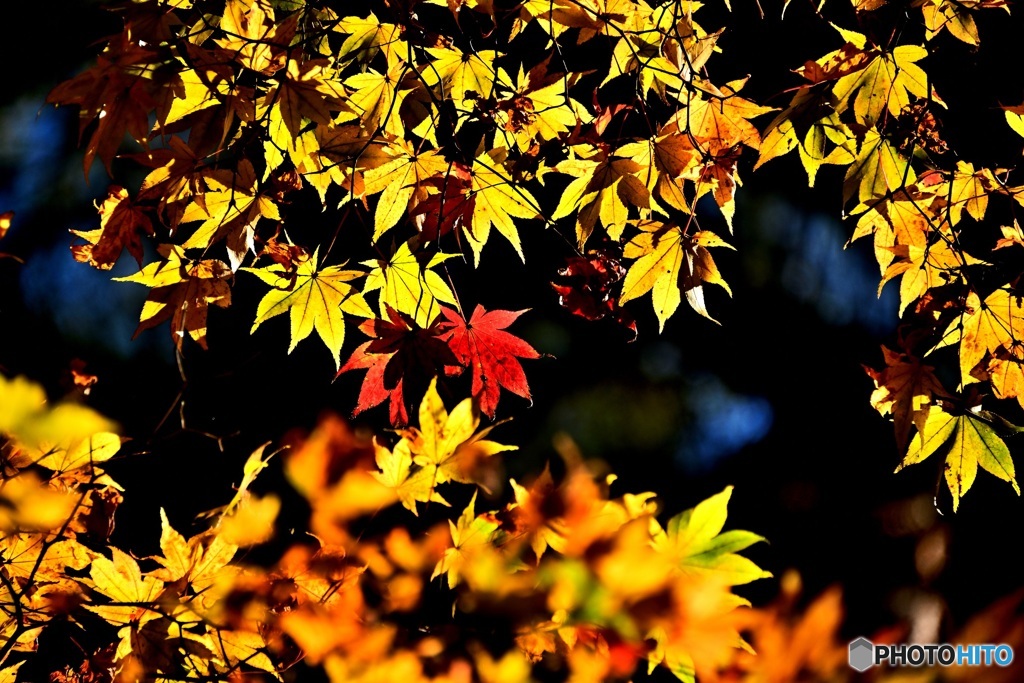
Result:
[
  {"x": 243, "y": 647},
  {"x": 695, "y": 542},
  {"x": 229, "y": 209},
  {"x": 604, "y": 187},
  {"x": 315, "y": 298},
  {"x": 669, "y": 261},
  {"x": 91, "y": 450},
  {"x": 884, "y": 84},
  {"x": 984, "y": 327},
  {"x": 42, "y": 558},
  {"x": 972, "y": 443},
  {"x": 410, "y": 285},
  {"x": 367, "y": 36},
  {"x": 306, "y": 92},
  {"x": 878, "y": 169},
  {"x": 462, "y": 77},
  {"x": 400, "y": 182},
  {"x": 447, "y": 444},
  {"x": 409, "y": 483},
  {"x": 377, "y": 99},
  {"x": 121, "y": 580},
  {"x": 497, "y": 199},
  {"x": 539, "y": 111},
  {"x": 252, "y": 520},
  {"x": 471, "y": 534},
  {"x": 198, "y": 90},
  {"x": 925, "y": 266},
  {"x": 666, "y": 160},
  {"x": 720, "y": 122}
]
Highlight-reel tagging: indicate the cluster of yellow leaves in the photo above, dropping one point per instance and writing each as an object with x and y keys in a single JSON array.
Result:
[
  {"x": 427, "y": 137},
  {"x": 577, "y": 580},
  {"x": 871, "y": 109},
  {"x": 593, "y": 616},
  {"x": 58, "y": 507}
]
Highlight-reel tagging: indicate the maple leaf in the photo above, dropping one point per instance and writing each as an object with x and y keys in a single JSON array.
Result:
[
  {"x": 969, "y": 189},
  {"x": 665, "y": 161},
  {"x": 408, "y": 284},
  {"x": 114, "y": 94},
  {"x": 722, "y": 122},
  {"x": 377, "y": 99},
  {"x": 251, "y": 522},
  {"x": 243, "y": 647},
  {"x": 903, "y": 220},
  {"x": 201, "y": 562},
  {"x": 603, "y": 187},
  {"x": 178, "y": 556},
  {"x": 591, "y": 284},
  {"x": 249, "y": 34},
  {"x": 496, "y": 200},
  {"x": 808, "y": 125},
  {"x": 229, "y": 209},
  {"x": 315, "y": 299},
  {"x": 971, "y": 443},
  {"x": 984, "y": 327},
  {"x": 447, "y": 444},
  {"x": 410, "y": 483},
  {"x": 122, "y": 223},
  {"x": 121, "y": 581},
  {"x": 788, "y": 643},
  {"x": 885, "y": 83},
  {"x": 174, "y": 178},
  {"x": 369, "y": 35},
  {"x": 697, "y": 545},
  {"x": 540, "y": 109},
  {"x": 904, "y": 389},
  {"x": 1015, "y": 118},
  {"x": 925, "y": 266},
  {"x": 305, "y": 91},
  {"x": 483, "y": 345},
  {"x": 400, "y": 355},
  {"x": 399, "y": 180},
  {"x": 954, "y": 16},
  {"x": 450, "y": 208},
  {"x": 528, "y": 516},
  {"x": 35, "y": 557},
  {"x": 471, "y": 534},
  {"x": 28, "y": 420},
  {"x": 462, "y": 77},
  {"x": 92, "y": 450},
  {"x": 667, "y": 261},
  {"x": 1012, "y": 236},
  {"x": 182, "y": 291},
  {"x": 1006, "y": 373},
  {"x": 878, "y": 169},
  {"x": 194, "y": 92}
]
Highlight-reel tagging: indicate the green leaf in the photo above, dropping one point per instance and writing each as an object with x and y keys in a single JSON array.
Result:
[
  {"x": 695, "y": 541},
  {"x": 970, "y": 442}
]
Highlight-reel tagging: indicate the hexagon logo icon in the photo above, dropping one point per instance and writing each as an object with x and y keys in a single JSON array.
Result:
[{"x": 862, "y": 654}]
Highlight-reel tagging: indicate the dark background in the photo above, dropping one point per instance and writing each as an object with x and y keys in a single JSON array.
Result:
[{"x": 774, "y": 400}]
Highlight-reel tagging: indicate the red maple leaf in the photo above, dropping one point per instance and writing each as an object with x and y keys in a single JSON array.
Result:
[
  {"x": 483, "y": 345},
  {"x": 122, "y": 225},
  {"x": 588, "y": 288},
  {"x": 401, "y": 356},
  {"x": 450, "y": 209}
]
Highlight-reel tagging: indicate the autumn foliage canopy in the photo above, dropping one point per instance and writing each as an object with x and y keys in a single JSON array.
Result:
[{"x": 361, "y": 163}]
